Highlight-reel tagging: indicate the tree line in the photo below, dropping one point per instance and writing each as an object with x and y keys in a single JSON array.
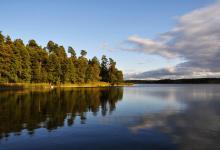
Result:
[
  {"x": 32, "y": 63},
  {"x": 178, "y": 81}
]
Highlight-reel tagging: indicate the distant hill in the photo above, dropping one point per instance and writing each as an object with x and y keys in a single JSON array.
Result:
[{"x": 178, "y": 81}]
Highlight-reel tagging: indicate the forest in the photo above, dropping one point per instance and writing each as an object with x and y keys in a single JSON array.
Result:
[{"x": 32, "y": 63}]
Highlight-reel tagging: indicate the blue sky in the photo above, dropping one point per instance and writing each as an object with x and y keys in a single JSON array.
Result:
[{"x": 99, "y": 26}]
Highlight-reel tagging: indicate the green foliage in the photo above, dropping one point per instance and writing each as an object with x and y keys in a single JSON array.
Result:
[
  {"x": 82, "y": 65},
  {"x": 83, "y": 53},
  {"x": 72, "y": 52},
  {"x": 34, "y": 64},
  {"x": 23, "y": 61},
  {"x": 53, "y": 69},
  {"x": 71, "y": 71},
  {"x": 93, "y": 70},
  {"x": 51, "y": 46},
  {"x": 104, "y": 69},
  {"x": 1, "y": 39},
  {"x": 5, "y": 62},
  {"x": 112, "y": 71},
  {"x": 38, "y": 58}
]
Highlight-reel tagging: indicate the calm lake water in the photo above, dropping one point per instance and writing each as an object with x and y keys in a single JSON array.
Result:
[{"x": 156, "y": 117}]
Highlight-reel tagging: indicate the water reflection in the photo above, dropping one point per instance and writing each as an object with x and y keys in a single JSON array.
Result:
[
  {"x": 49, "y": 109},
  {"x": 158, "y": 117},
  {"x": 197, "y": 127}
]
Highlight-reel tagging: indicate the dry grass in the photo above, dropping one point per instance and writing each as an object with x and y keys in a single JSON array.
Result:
[{"x": 47, "y": 85}]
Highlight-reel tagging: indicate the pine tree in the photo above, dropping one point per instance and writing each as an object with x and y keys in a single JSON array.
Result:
[
  {"x": 5, "y": 60},
  {"x": 71, "y": 71},
  {"x": 71, "y": 67},
  {"x": 62, "y": 56},
  {"x": 112, "y": 71},
  {"x": 22, "y": 63},
  {"x": 53, "y": 69},
  {"x": 119, "y": 76},
  {"x": 61, "y": 59},
  {"x": 38, "y": 58},
  {"x": 93, "y": 71},
  {"x": 115, "y": 75},
  {"x": 82, "y": 64},
  {"x": 104, "y": 69},
  {"x": 72, "y": 52},
  {"x": 13, "y": 74}
]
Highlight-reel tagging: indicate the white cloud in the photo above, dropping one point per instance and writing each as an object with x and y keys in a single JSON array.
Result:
[
  {"x": 150, "y": 46},
  {"x": 196, "y": 39}
]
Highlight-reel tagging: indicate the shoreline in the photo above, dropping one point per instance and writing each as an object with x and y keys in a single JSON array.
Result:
[
  {"x": 177, "y": 81},
  {"x": 14, "y": 86}
]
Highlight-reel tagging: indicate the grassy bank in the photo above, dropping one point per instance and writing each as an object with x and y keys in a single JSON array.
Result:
[{"x": 5, "y": 86}]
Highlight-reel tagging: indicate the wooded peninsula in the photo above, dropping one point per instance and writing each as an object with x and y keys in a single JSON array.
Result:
[{"x": 32, "y": 63}]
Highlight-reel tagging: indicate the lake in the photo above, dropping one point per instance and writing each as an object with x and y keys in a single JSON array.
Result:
[{"x": 156, "y": 117}]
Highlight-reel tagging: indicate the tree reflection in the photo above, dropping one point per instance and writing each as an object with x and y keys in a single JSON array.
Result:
[{"x": 49, "y": 109}]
